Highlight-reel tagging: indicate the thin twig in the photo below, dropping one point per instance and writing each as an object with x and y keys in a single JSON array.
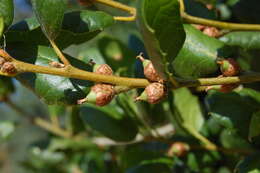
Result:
[
  {"x": 246, "y": 78},
  {"x": 164, "y": 131},
  {"x": 120, "y": 6},
  {"x": 51, "y": 128},
  {"x": 207, "y": 143},
  {"x": 224, "y": 25},
  {"x": 55, "y": 120},
  {"x": 218, "y": 24},
  {"x": 72, "y": 72},
  {"x": 59, "y": 53},
  {"x": 38, "y": 121}
]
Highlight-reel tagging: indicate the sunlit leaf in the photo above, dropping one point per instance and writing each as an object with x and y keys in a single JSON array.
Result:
[
  {"x": 162, "y": 30},
  {"x": 50, "y": 15}
]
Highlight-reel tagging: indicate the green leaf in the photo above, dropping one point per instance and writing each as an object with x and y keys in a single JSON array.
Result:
[
  {"x": 198, "y": 56},
  {"x": 136, "y": 154},
  {"x": 7, "y": 12},
  {"x": 50, "y": 15},
  {"x": 162, "y": 30},
  {"x": 253, "y": 94},
  {"x": 89, "y": 51},
  {"x": 213, "y": 127},
  {"x": 230, "y": 139},
  {"x": 112, "y": 51},
  {"x": 250, "y": 164},
  {"x": 193, "y": 162},
  {"x": 187, "y": 109},
  {"x": 197, "y": 160},
  {"x": 246, "y": 40},
  {"x": 230, "y": 109},
  {"x": 50, "y": 88},
  {"x": 254, "y": 128},
  {"x": 77, "y": 27},
  {"x": 109, "y": 122},
  {"x": 117, "y": 55}
]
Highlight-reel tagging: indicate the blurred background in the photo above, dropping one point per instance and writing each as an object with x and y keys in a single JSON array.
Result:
[{"x": 22, "y": 143}]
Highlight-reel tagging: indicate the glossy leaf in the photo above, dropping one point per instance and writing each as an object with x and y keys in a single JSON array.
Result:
[
  {"x": 7, "y": 12},
  {"x": 187, "y": 109},
  {"x": 77, "y": 27},
  {"x": 90, "y": 52},
  {"x": 162, "y": 30},
  {"x": 254, "y": 129},
  {"x": 198, "y": 56},
  {"x": 230, "y": 109},
  {"x": 50, "y": 88},
  {"x": 109, "y": 122},
  {"x": 250, "y": 164},
  {"x": 50, "y": 15},
  {"x": 246, "y": 40}
]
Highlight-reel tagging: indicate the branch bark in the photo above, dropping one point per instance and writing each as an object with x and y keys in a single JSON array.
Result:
[
  {"x": 224, "y": 25},
  {"x": 118, "y": 5},
  {"x": 124, "y": 83}
]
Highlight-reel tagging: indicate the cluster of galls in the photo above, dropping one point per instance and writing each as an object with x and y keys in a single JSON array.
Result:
[
  {"x": 101, "y": 93},
  {"x": 156, "y": 90},
  {"x": 6, "y": 66},
  {"x": 229, "y": 67}
]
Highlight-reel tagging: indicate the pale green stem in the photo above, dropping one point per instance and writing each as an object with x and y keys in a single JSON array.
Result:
[
  {"x": 223, "y": 25},
  {"x": 120, "y": 6}
]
